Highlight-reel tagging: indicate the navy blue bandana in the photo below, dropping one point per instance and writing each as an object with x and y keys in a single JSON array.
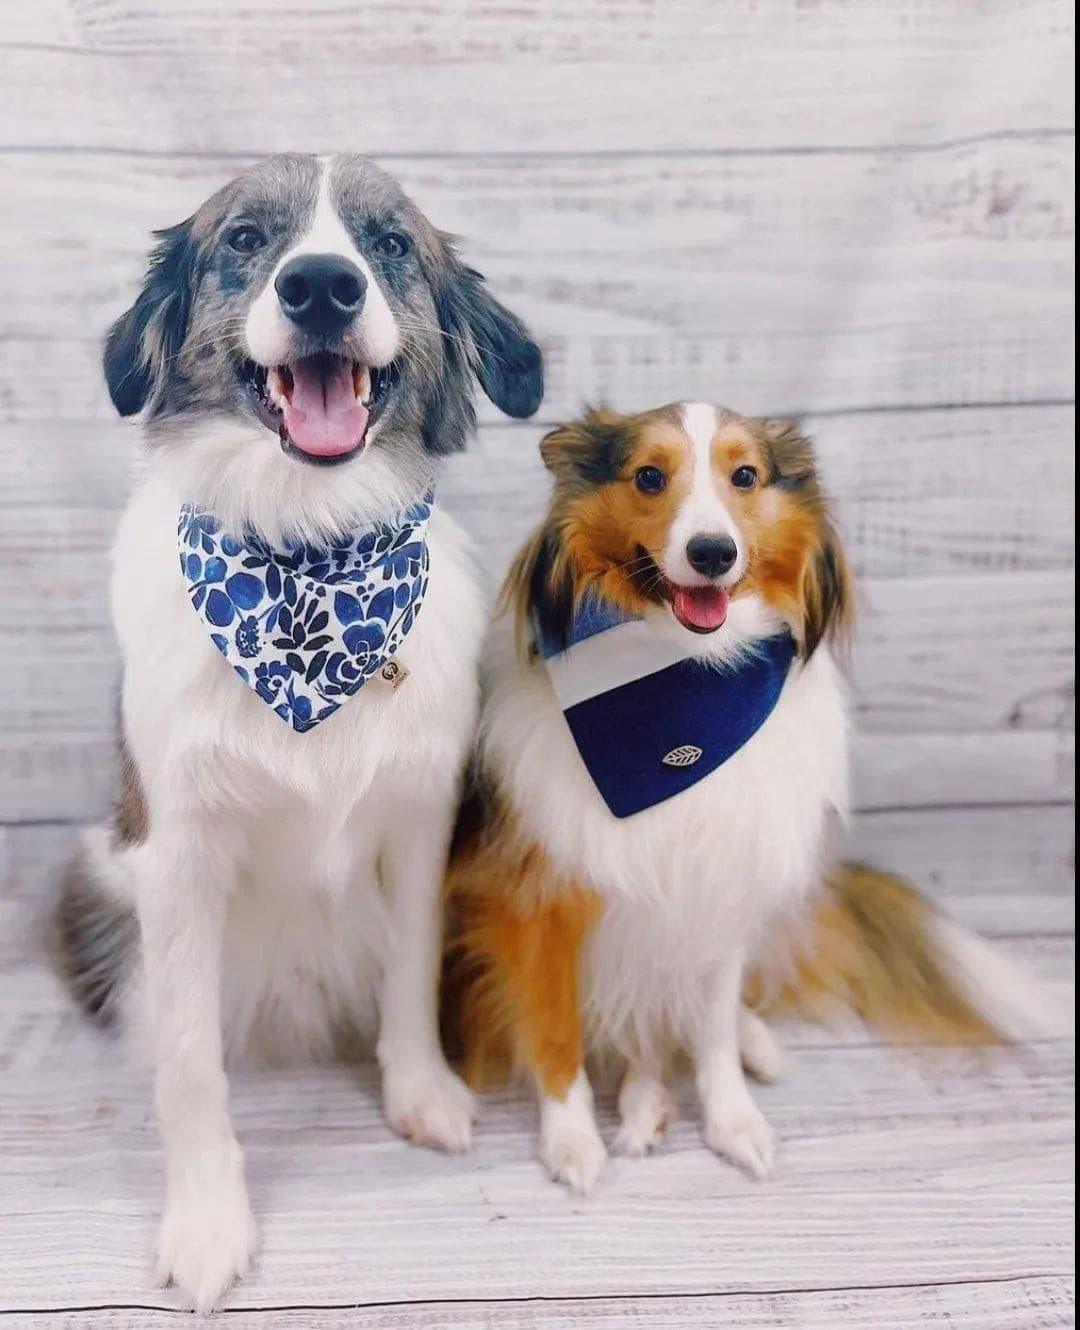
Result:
[
  {"x": 648, "y": 720},
  {"x": 305, "y": 627}
]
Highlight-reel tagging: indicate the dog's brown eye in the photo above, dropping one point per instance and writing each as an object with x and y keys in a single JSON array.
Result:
[
  {"x": 744, "y": 478},
  {"x": 246, "y": 239},
  {"x": 649, "y": 479},
  {"x": 392, "y": 246}
]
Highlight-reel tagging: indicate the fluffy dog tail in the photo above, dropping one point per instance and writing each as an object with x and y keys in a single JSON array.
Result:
[
  {"x": 95, "y": 932},
  {"x": 876, "y": 947}
]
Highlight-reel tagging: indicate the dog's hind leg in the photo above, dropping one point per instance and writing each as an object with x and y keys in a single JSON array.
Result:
[
  {"x": 645, "y": 1108},
  {"x": 758, "y": 1048}
]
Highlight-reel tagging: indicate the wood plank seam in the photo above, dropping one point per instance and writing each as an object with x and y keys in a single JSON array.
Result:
[
  {"x": 688, "y": 1296},
  {"x": 557, "y": 154}
]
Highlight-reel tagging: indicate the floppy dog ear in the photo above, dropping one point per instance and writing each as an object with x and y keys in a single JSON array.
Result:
[
  {"x": 539, "y": 588},
  {"x": 583, "y": 454},
  {"x": 828, "y": 597},
  {"x": 143, "y": 343},
  {"x": 481, "y": 337},
  {"x": 508, "y": 362}
]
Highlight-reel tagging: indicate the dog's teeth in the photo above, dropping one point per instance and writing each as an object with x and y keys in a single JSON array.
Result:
[
  {"x": 362, "y": 384},
  {"x": 275, "y": 387}
]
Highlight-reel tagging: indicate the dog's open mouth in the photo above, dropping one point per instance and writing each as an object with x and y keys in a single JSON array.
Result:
[
  {"x": 702, "y": 609},
  {"x": 322, "y": 407}
]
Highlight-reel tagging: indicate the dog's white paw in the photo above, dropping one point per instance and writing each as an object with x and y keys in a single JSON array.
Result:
[
  {"x": 758, "y": 1048},
  {"x": 738, "y": 1131},
  {"x": 573, "y": 1154},
  {"x": 646, "y": 1108},
  {"x": 207, "y": 1237},
  {"x": 430, "y": 1106}
]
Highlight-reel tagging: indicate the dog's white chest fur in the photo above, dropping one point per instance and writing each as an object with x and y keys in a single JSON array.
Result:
[
  {"x": 690, "y": 880},
  {"x": 309, "y": 814}
]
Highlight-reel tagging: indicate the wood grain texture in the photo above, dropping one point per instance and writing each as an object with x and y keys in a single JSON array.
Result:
[
  {"x": 409, "y": 77},
  {"x": 915, "y": 492},
  {"x": 697, "y": 277},
  {"x": 1009, "y": 1304},
  {"x": 916, "y": 770},
  {"x": 629, "y": 233},
  {"x": 945, "y": 1170},
  {"x": 954, "y": 1172},
  {"x": 986, "y": 853}
]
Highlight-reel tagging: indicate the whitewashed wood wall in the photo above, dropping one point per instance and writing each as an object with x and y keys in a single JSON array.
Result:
[{"x": 858, "y": 212}]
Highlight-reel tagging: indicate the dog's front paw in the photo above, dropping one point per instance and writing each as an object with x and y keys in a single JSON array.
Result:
[
  {"x": 573, "y": 1154},
  {"x": 646, "y": 1108},
  {"x": 737, "y": 1129},
  {"x": 207, "y": 1238},
  {"x": 429, "y": 1106}
]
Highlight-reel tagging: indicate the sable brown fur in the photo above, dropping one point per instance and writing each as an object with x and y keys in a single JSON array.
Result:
[
  {"x": 510, "y": 982},
  {"x": 867, "y": 942},
  {"x": 869, "y": 948}
]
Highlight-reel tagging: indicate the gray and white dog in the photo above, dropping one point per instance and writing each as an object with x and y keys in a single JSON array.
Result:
[{"x": 303, "y": 353}]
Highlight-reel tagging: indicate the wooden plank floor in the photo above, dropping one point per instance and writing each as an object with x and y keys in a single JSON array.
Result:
[
  {"x": 862, "y": 214},
  {"x": 910, "y": 1188}
]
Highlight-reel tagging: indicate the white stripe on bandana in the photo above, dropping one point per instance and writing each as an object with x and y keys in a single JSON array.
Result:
[
  {"x": 628, "y": 650},
  {"x": 305, "y": 627},
  {"x": 648, "y": 720}
]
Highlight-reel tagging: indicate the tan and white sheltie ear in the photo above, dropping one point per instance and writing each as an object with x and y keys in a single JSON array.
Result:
[
  {"x": 582, "y": 454},
  {"x": 541, "y": 588},
  {"x": 825, "y": 599},
  {"x": 828, "y": 596}
]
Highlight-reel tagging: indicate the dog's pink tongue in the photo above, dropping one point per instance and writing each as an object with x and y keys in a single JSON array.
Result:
[
  {"x": 323, "y": 416},
  {"x": 703, "y": 608}
]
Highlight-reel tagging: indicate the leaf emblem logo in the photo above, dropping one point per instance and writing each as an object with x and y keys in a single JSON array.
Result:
[{"x": 683, "y": 756}]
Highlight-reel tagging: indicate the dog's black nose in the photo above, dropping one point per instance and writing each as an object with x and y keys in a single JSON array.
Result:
[
  {"x": 711, "y": 555},
  {"x": 321, "y": 293}
]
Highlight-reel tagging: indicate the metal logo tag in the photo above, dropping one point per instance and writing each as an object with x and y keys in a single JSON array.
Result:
[
  {"x": 684, "y": 756},
  {"x": 394, "y": 673}
]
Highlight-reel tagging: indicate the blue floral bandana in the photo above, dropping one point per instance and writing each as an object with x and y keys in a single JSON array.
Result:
[
  {"x": 305, "y": 627},
  {"x": 648, "y": 720}
]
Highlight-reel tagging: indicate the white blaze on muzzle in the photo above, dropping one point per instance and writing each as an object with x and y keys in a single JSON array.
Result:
[{"x": 375, "y": 336}]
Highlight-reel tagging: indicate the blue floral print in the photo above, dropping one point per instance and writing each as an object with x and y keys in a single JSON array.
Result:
[{"x": 305, "y": 627}]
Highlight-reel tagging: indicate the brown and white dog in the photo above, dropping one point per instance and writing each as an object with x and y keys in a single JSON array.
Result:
[{"x": 576, "y": 932}]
